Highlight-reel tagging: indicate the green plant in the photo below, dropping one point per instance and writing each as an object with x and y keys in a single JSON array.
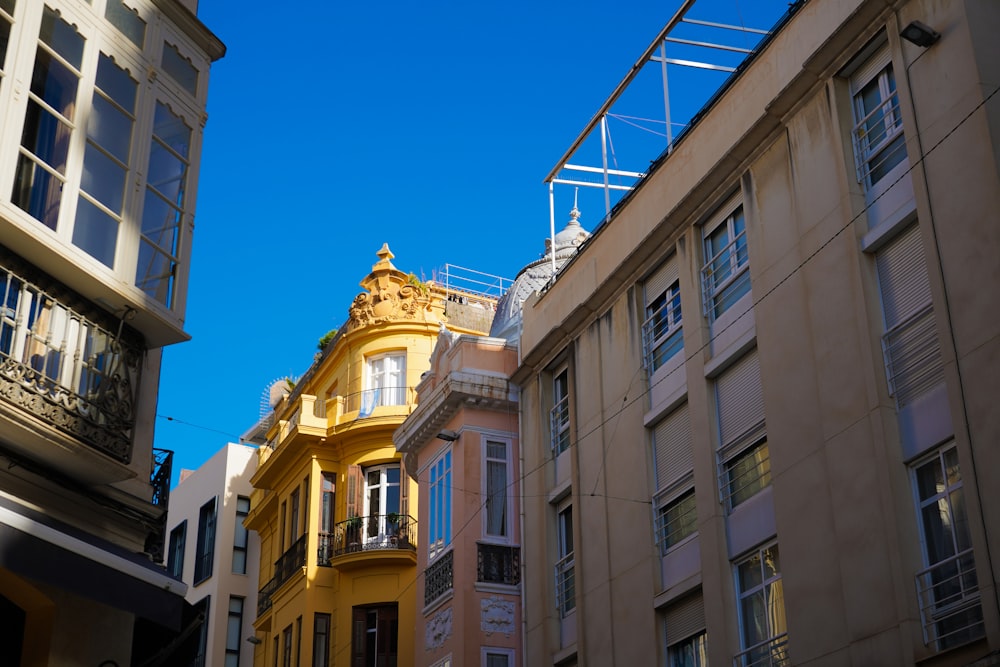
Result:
[
  {"x": 325, "y": 339},
  {"x": 424, "y": 288}
]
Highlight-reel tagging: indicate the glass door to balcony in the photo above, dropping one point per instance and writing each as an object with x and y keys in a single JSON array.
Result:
[{"x": 381, "y": 503}]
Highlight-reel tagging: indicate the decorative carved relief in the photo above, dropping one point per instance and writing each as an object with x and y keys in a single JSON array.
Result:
[
  {"x": 390, "y": 296},
  {"x": 438, "y": 630},
  {"x": 497, "y": 615}
]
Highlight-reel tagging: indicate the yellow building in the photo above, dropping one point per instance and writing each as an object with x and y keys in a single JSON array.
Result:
[{"x": 332, "y": 504}]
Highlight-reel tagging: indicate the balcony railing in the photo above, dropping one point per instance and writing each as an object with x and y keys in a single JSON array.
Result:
[
  {"x": 770, "y": 653},
  {"x": 498, "y": 564},
  {"x": 159, "y": 479},
  {"x": 439, "y": 577},
  {"x": 565, "y": 585},
  {"x": 65, "y": 369},
  {"x": 559, "y": 425},
  {"x": 878, "y": 141},
  {"x": 291, "y": 561},
  {"x": 913, "y": 362},
  {"x": 265, "y": 595},
  {"x": 661, "y": 333},
  {"x": 950, "y": 609},
  {"x": 374, "y": 532}
]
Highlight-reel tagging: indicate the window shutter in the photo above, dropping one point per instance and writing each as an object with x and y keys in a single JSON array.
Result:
[
  {"x": 672, "y": 447},
  {"x": 685, "y": 618},
  {"x": 355, "y": 491},
  {"x": 739, "y": 399},
  {"x": 902, "y": 277},
  {"x": 662, "y": 278},
  {"x": 871, "y": 67}
]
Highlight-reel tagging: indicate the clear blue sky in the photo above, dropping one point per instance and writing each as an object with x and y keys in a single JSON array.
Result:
[{"x": 340, "y": 126}]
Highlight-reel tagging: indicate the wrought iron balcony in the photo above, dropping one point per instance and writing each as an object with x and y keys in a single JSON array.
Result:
[
  {"x": 66, "y": 369},
  {"x": 264, "y": 597},
  {"x": 376, "y": 532},
  {"x": 498, "y": 564},
  {"x": 950, "y": 608},
  {"x": 772, "y": 652},
  {"x": 159, "y": 478},
  {"x": 439, "y": 577},
  {"x": 291, "y": 561}
]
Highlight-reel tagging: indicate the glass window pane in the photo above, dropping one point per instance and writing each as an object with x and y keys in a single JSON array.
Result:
[
  {"x": 111, "y": 129},
  {"x": 95, "y": 232},
  {"x": 37, "y": 192},
  {"x": 103, "y": 178},
  {"x": 171, "y": 130},
  {"x": 116, "y": 83},
  {"x": 166, "y": 173},
  {"x": 180, "y": 68},
  {"x": 127, "y": 21},
  {"x": 46, "y": 136},
  {"x": 61, "y": 36}
]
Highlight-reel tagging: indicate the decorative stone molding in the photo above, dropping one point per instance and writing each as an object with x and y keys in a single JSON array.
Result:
[
  {"x": 389, "y": 296},
  {"x": 497, "y": 615},
  {"x": 438, "y": 630}
]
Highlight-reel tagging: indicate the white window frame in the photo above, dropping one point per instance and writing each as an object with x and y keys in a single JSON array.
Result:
[
  {"x": 732, "y": 259},
  {"x": 381, "y": 369},
  {"x": 775, "y": 643},
  {"x": 487, "y": 651},
  {"x": 378, "y": 531},
  {"x": 440, "y": 504},
  {"x": 742, "y": 432},
  {"x": 887, "y": 128},
  {"x": 662, "y": 328},
  {"x": 559, "y": 414},
  {"x": 101, "y": 36},
  {"x": 947, "y": 589},
  {"x": 504, "y": 537},
  {"x": 565, "y": 569},
  {"x": 683, "y": 527}
]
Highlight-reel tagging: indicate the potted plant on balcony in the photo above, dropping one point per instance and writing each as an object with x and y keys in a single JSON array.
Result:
[
  {"x": 392, "y": 527},
  {"x": 353, "y": 530}
]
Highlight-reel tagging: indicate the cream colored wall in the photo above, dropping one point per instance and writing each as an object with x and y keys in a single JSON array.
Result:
[{"x": 842, "y": 494}]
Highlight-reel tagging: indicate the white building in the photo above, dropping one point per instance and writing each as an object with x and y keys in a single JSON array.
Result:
[{"x": 211, "y": 552}]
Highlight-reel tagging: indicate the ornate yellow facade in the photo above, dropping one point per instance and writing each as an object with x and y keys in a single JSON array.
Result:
[{"x": 333, "y": 504}]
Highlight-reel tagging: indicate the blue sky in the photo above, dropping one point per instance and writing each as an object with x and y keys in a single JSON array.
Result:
[{"x": 341, "y": 126}]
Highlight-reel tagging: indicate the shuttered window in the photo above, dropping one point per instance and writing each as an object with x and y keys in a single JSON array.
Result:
[
  {"x": 684, "y": 618},
  {"x": 910, "y": 343},
  {"x": 674, "y": 515},
  {"x": 672, "y": 447},
  {"x": 744, "y": 458}
]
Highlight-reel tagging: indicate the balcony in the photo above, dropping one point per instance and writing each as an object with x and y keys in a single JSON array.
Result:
[
  {"x": 769, "y": 653},
  {"x": 291, "y": 561},
  {"x": 439, "y": 578},
  {"x": 363, "y": 539},
  {"x": 265, "y": 597},
  {"x": 950, "y": 609},
  {"x": 498, "y": 564}
]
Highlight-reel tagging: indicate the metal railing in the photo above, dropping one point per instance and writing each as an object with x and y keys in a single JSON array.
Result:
[
  {"x": 159, "y": 479},
  {"x": 745, "y": 473},
  {"x": 369, "y": 399},
  {"x": 724, "y": 276},
  {"x": 565, "y": 585},
  {"x": 559, "y": 425},
  {"x": 292, "y": 561},
  {"x": 264, "y": 596},
  {"x": 772, "y": 652},
  {"x": 912, "y": 355},
  {"x": 878, "y": 141},
  {"x": 950, "y": 608},
  {"x": 439, "y": 578},
  {"x": 498, "y": 564},
  {"x": 674, "y": 519},
  {"x": 661, "y": 332},
  {"x": 368, "y": 533}
]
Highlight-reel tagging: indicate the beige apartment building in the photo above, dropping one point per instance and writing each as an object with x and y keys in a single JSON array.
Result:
[{"x": 758, "y": 406}]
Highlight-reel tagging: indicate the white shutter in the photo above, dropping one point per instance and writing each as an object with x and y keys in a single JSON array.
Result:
[
  {"x": 902, "y": 277},
  {"x": 739, "y": 399},
  {"x": 870, "y": 68},
  {"x": 685, "y": 618},
  {"x": 662, "y": 278},
  {"x": 672, "y": 447}
]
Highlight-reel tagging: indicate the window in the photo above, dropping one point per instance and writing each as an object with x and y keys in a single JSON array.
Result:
[
  {"x": 374, "y": 637},
  {"x": 675, "y": 515},
  {"x": 676, "y": 520},
  {"x": 5, "y": 21},
  {"x": 878, "y": 131},
  {"x": 910, "y": 343},
  {"x": 164, "y": 205},
  {"x": 234, "y": 631},
  {"x": 321, "y": 640},
  {"x": 744, "y": 460},
  {"x": 498, "y": 564},
  {"x": 293, "y": 517},
  {"x": 439, "y": 578},
  {"x": 565, "y": 572},
  {"x": 241, "y": 535},
  {"x": 327, "y": 505},
  {"x": 127, "y": 21},
  {"x": 180, "y": 68},
  {"x": 498, "y": 657},
  {"x": 175, "y": 555},
  {"x": 206, "y": 542},
  {"x": 439, "y": 516},
  {"x": 662, "y": 337},
  {"x": 202, "y": 608},
  {"x": 762, "y": 609},
  {"x": 684, "y": 625},
  {"x": 726, "y": 274},
  {"x": 559, "y": 415},
  {"x": 286, "y": 647},
  {"x": 386, "y": 381},
  {"x": 496, "y": 483},
  {"x": 381, "y": 500},
  {"x": 948, "y": 588}
]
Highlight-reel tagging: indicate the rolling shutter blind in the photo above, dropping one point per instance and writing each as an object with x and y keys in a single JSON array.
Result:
[
  {"x": 658, "y": 282},
  {"x": 902, "y": 277},
  {"x": 739, "y": 399},
  {"x": 672, "y": 447},
  {"x": 685, "y": 618},
  {"x": 871, "y": 67}
]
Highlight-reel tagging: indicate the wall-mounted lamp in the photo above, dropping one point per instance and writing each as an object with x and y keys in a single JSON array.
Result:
[
  {"x": 255, "y": 640},
  {"x": 447, "y": 435},
  {"x": 920, "y": 34}
]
